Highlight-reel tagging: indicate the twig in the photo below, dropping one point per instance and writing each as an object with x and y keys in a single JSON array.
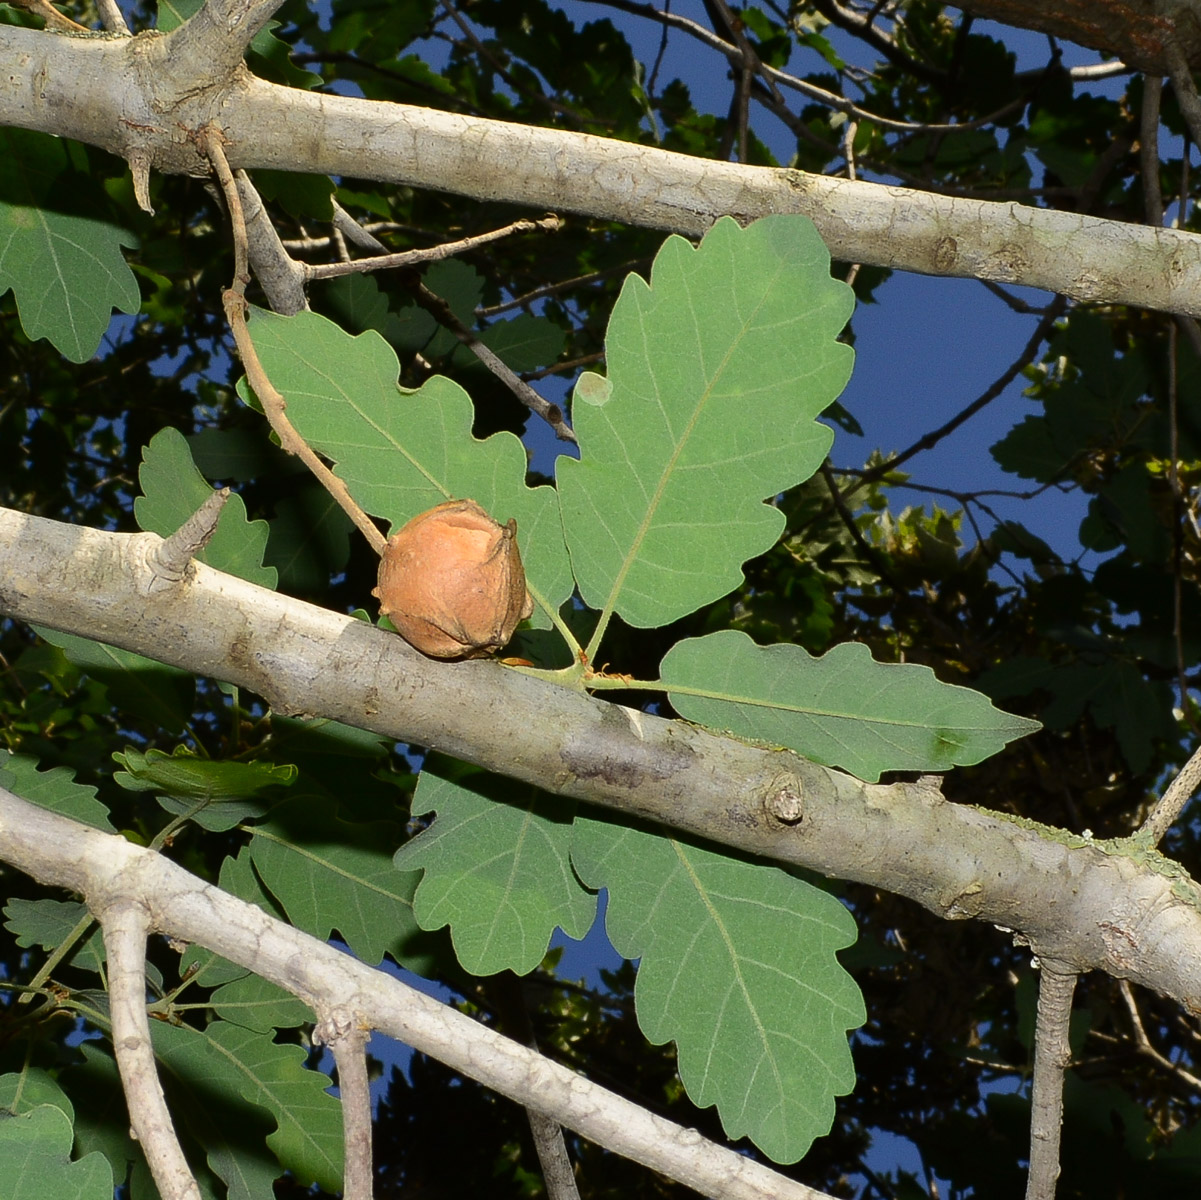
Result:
[
  {"x": 1179, "y": 792},
  {"x": 53, "y": 18},
  {"x": 870, "y": 553},
  {"x": 352, "y": 231},
  {"x": 1146, "y": 1049},
  {"x": 1148, "y": 149},
  {"x": 774, "y": 76},
  {"x": 169, "y": 559},
  {"x": 280, "y": 276},
  {"x": 347, "y": 1039},
  {"x": 61, "y": 951},
  {"x": 411, "y": 258},
  {"x": 217, "y": 35},
  {"x": 1014, "y": 302},
  {"x": 1181, "y": 76},
  {"x": 1179, "y": 507},
  {"x": 126, "y": 924},
  {"x": 552, "y": 414},
  {"x": 273, "y": 403},
  {"x": 553, "y": 289},
  {"x": 1051, "y": 1055},
  {"x": 740, "y": 106},
  {"x": 848, "y": 150},
  {"x": 57, "y": 850},
  {"x": 111, "y": 16},
  {"x": 929, "y": 440},
  {"x": 496, "y": 64},
  {"x": 507, "y": 994},
  {"x": 864, "y": 27},
  {"x": 552, "y": 1157}
]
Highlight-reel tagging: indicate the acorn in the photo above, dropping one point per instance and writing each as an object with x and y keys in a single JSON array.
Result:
[{"x": 452, "y": 583}]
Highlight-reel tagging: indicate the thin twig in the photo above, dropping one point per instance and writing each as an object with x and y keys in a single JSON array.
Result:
[
  {"x": 870, "y": 553},
  {"x": 1146, "y": 1049},
  {"x": 774, "y": 76},
  {"x": 929, "y": 440},
  {"x": 352, "y": 231},
  {"x": 1051, "y": 1055},
  {"x": 1014, "y": 302},
  {"x": 864, "y": 27},
  {"x": 553, "y": 289},
  {"x": 1148, "y": 149},
  {"x": 507, "y": 994},
  {"x": 53, "y": 18},
  {"x": 234, "y": 299},
  {"x": 280, "y": 276},
  {"x": 347, "y": 1040},
  {"x": 848, "y": 150},
  {"x": 495, "y": 63},
  {"x": 551, "y": 1149},
  {"x": 125, "y": 925},
  {"x": 1179, "y": 792},
  {"x": 1181, "y": 76},
  {"x": 111, "y": 17},
  {"x": 552, "y": 414},
  {"x": 169, "y": 560},
  {"x": 411, "y": 258}
]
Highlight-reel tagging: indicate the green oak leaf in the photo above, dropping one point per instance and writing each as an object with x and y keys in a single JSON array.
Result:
[
  {"x": 228, "y": 1059},
  {"x": 716, "y": 371},
  {"x": 35, "y": 1159},
  {"x": 33, "y": 1086},
  {"x": 401, "y": 452},
  {"x": 843, "y": 709},
  {"x": 55, "y": 789},
  {"x": 332, "y": 875},
  {"x": 48, "y": 923},
  {"x": 66, "y": 270},
  {"x": 497, "y": 868},
  {"x": 739, "y": 970},
  {"x": 173, "y": 489}
]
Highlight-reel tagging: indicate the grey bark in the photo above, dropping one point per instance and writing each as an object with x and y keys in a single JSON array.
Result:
[
  {"x": 145, "y": 98},
  {"x": 1088, "y": 906}
]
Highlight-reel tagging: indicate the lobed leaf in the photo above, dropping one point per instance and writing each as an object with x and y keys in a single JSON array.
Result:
[
  {"x": 497, "y": 868},
  {"x": 55, "y": 789},
  {"x": 173, "y": 489},
  {"x": 401, "y": 452},
  {"x": 225, "y": 1058},
  {"x": 334, "y": 875},
  {"x": 35, "y": 1160},
  {"x": 48, "y": 923},
  {"x": 738, "y": 968},
  {"x": 843, "y": 709},
  {"x": 716, "y": 371},
  {"x": 66, "y": 270}
]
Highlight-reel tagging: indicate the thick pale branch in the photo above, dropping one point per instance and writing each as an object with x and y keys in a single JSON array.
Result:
[
  {"x": 1051, "y": 1056},
  {"x": 343, "y": 1033},
  {"x": 1086, "y": 906},
  {"x": 116, "y": 95},
  {"x": 126, "y": 924},
  {"x": 110, "y": 871}
]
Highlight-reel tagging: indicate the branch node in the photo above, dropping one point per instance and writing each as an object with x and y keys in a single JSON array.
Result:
[
  {"x": 169, "y": 559},
  {"x": 786, "y": 804},
  {"x": 139, "y": 168}
]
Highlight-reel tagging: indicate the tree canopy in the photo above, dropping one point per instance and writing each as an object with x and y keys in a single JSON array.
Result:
[{"x": 880, "y": 777}]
